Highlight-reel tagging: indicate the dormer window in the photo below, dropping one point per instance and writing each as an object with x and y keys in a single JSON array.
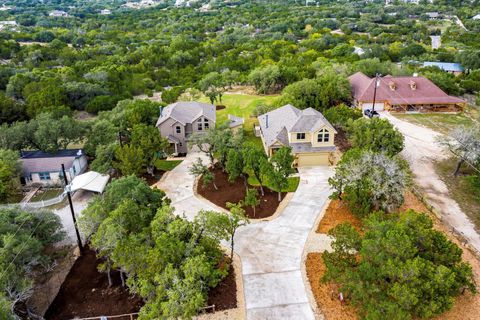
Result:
[
  {"x": 200, "y": 127},
  {"x": 392, "y": 85},
  {"x": 178, "y": 129},
  {"x": 323, "y": 136},
  {"x": 413, "y": 85},
  {"x": 301, "y": 136}
]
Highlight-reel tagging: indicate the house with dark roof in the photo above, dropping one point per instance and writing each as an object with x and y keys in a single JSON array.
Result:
[
  {"x": 306, "y": 132},
  {"x": 401, "y": 94},
  {"x": 44, "y": 168},
  {"x": 180, "y": 120}
]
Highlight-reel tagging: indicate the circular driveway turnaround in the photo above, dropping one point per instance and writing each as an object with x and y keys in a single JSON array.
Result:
[{"x": 270, "y": 251}]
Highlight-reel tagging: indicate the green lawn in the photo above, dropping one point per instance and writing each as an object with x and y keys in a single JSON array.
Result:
[
  {"x": 292, "y": 183},
  {"x": 46, "y": 194},
  {"x": 166, "y": 165},
  {"x": 462, "y": 188},
  {"x": 439, "y": 122},
  {"x": 242, "y": 105}
]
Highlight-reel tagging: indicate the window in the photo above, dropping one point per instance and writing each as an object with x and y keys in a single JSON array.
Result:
[
  {"x": 323, "y": 136},
  {"x": 301, "y": 136},
  {"x": 200, "y": 127},
  {"x": 178, "y": 129},
  {"x": 206, "y": 125},
  {"x": 44, "y": 175}
]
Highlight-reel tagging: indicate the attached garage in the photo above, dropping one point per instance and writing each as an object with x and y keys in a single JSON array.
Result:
[
  {"x": 312, "y": 159},
  {"x": 379, "y": 106}
]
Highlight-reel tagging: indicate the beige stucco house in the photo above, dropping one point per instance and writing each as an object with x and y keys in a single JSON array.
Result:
[
  {"x": 307, "y": 132},
  {"x": 179, "y": 120}
]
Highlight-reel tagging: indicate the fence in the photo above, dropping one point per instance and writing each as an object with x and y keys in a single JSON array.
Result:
[{"x": 37, "y": 204}]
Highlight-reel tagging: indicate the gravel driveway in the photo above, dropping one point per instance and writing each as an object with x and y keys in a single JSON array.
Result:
[{"x": 421, "y": 151}]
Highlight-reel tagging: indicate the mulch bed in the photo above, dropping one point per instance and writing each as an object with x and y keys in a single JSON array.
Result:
[
  {"x": 326, "y": 294},
  {"x": 341, "y": 140},
  {"x": 234, "y": 192},
  {"x": 151, "y": 180},
  {"x": 224, "y": 295},
  {"x": 85, "y": 293},
  {"x": 337, "y": 213}
]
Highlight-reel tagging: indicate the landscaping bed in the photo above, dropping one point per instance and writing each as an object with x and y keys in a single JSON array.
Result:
[
  {"x": 234, "y": 192},
  {"x": 85, "y": 293},
  {"x": 326, "y": 294},
  {"x": 341, "y": 140},
  {"x": 337, "y": 213},
  {"x": 224, "y": 295}
]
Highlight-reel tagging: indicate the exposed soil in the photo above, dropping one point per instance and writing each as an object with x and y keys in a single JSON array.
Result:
[
  {"x": 224, "y": 295},
  {"x": 326, "y": 294},
  {"x": 337, "y": 213},
  {"x": 151, "y": 180},
  {"x": 341, "y": 140},
  {"x": 234, "y": 192},
  {"x": 219, "y": 107},
  {"x": 466, "y": 306},
  {"x": 85, "y": 293}
]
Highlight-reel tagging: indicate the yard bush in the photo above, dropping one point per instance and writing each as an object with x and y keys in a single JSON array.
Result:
[{"x": 400, "y": 268}]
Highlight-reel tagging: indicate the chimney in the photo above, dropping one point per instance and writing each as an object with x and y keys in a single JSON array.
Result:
[
  {"x": 392, "y": 85},
  {"x": 161, "y": 111},
  {"x": 413, "y": 85},
  {"x": 266, "y": 121}
]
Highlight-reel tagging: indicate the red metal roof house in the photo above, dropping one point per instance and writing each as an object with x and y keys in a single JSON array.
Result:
[{"x": 401, "y": 94}]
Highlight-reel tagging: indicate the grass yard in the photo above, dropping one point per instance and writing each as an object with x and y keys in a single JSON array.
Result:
[
  {"x": 46, "y": 194},
  {"x": 242, "y": 105},
  {"x": 442, "y": 123},
  {"x": 461, "y": 188},
  {"x": 166, "y": 165},
  {"x": 292, "y": 183}
]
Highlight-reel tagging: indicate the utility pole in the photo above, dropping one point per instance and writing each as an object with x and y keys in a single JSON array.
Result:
[
  {"x": 79, "y": 240},
  {"x": 377, "y": 82}
]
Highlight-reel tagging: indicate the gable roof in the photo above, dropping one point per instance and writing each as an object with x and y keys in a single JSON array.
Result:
[
  {"x": 187, "y": 112},
  {"x": 426, "y": 92},
  {"x": 276, "y": 124},
  {"x": 39, "y": 161}
]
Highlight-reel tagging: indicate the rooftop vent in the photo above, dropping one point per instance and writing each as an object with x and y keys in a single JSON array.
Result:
[{"x": 392, "y": 85}]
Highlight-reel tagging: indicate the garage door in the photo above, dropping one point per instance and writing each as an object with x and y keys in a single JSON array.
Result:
[{"x": 310, "y": 160}]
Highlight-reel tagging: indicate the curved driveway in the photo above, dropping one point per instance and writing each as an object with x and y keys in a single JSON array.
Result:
[{"x": 271, "y": 251}]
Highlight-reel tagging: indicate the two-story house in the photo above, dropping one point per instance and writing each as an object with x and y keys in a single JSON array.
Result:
[
  {"x": 181, "y": 119},
  {"x": 307, "y": 132}
]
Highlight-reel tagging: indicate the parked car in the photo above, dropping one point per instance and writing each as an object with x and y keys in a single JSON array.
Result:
[{"x": 369, "y": 113}]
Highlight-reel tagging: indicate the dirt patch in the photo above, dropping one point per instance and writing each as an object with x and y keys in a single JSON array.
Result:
[
  {"x": 326, "y": 294},
  {"x": 234, "y": 192},
  {"x": 85, "y": 293},
  {"x": 337, "y": 213},
  {"x": 219, "y": 107},
  {"x": 341, "y": 140},
  {"x": 224, "y": 295},
  {"x": 151, "y": 180}
]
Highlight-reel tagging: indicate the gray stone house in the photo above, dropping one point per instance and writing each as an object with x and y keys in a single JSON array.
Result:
[{"x": 181, "y": 119}]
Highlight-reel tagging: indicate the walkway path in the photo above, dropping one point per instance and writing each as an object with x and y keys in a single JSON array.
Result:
[
  {"x": 422, "y": 151},
  {"x": 271, "y": 251}
]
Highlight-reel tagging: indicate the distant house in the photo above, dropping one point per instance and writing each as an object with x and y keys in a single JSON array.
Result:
[
  {"x": 58, "y": 13},
  {"x": 8, "y": 24},
  {"x": 46, "y": 168},
  {"x": 307, "y": 132},
  {"x": 433, "y": 15},
  {"x": 105, "y": 12},
  {"x": 401, "y": 94},
  {"x": 358, "y": 51},
  {"x": 179, "y": 120},
  {"x": 235, "y": 123},
  {"x": 450, "y": 67},
  {"x": 477, "y": 17}
]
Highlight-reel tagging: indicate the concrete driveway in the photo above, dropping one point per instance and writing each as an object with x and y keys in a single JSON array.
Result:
[
  {"x": 271, "y": 252},
  {"x": 178, "y": 186},
  {"x": 421, "y": 151}
]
